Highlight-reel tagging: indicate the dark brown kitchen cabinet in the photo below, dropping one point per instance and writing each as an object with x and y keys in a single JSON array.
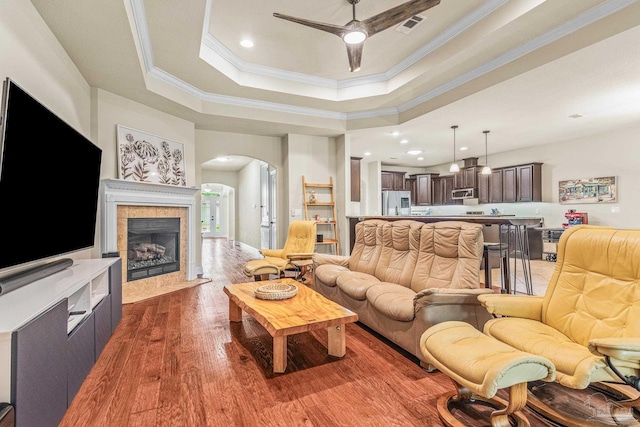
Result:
[
  {"x": 410, "y": 185},
  {"x": 483, "y": 188},
  {"x": 529, "y": 183},
  {"x": 424, "y": 188},
  {"x": 513, "y": 184},
  {"x": 391, "y": 180},
  {"x": 467, "y": 177},
  {"x": 509, "y": 185},
  {"x": 495, "y": 186},
  {"x": 441, "y": 189},
  {"x": 437, "y": 190},
  {"x": 522, "y": 183},
  {"x": 448, "y": 187}
]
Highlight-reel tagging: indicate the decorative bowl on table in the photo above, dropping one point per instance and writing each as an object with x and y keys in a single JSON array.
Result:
[{"x": 276, "y": 291}]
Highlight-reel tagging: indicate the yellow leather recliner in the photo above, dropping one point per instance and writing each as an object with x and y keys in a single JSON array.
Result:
[
  {"x": 300, "y": 245},
  {"x": 589, "y": 313}
]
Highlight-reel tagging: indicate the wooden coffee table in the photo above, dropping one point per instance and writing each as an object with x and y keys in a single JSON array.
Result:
[{"x": 306, "y": 311}]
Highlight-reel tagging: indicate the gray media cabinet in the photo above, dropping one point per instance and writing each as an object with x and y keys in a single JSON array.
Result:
[{"x": 51, "y": 333}]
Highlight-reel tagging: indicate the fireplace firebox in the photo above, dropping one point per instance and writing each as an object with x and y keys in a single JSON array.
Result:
[{"x": 153, "y": 247}]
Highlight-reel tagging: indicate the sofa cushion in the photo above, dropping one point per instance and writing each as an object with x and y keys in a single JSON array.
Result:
[
  {"x": 355, "y": 284},
  {"x": 367, "y": 248},
  {"x": 393, "y": 301},
  {"x": 574, "y": 363},
  {"x": 400, "y": 241},
  {"x": 449, "y": 256},
  {"x": 328, "y": 273},
  {"x": 595, "y": 294}
]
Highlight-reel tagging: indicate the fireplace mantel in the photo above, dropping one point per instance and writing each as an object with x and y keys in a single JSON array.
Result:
[{"x": 117, "y": 192}]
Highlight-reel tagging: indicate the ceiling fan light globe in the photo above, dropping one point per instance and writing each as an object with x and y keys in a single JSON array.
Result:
[{"x": 354, "y": 37}]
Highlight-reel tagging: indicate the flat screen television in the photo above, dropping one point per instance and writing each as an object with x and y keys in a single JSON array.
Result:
[{"x": 49, "y": 182}]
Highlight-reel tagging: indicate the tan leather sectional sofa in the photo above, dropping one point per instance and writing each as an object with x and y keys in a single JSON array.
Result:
[{"x": 404, "y": 276}]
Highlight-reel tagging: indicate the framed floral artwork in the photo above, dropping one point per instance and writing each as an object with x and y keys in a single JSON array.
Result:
[{"x": 144, "y": 157}]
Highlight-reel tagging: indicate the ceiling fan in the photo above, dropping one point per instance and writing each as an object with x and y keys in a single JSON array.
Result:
[{"x": 355, "y": 32}]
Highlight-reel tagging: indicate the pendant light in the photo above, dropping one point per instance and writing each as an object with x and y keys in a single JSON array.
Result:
[
  {"x": 454, "y": 166},
  {"x": 486, "y": 170}
]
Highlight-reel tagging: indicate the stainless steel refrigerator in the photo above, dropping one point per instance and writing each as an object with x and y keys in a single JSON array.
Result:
[{"x": 396, "y": 203}]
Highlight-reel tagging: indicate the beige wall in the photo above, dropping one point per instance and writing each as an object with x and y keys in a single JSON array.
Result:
[
  {"x": 111, "y": 110},
  {"x": 212, "y": 144},
  {"x": 227, "y": 178},
  {"x": 31, "y": 56},
  {"x": 613, "y": 154},
  {"x": 315, "y": 159},
  {"x": 248, "y": 208}
]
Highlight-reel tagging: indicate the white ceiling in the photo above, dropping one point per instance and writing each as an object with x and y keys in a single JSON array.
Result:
[{"x": 519, "y": 68}]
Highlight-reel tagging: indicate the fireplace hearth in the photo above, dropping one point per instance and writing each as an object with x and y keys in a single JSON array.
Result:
[
  {"x": 153, "y": 247},
  {"x": 124, "y": 199}
]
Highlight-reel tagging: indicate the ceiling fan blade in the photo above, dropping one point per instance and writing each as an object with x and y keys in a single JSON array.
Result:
[
  {"x": 396, "y": 15},
  {"x": 354, "y": 51},
  {"x": 338, "y": 30}
]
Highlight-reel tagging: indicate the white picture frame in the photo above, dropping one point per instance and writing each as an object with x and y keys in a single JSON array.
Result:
[{"x": 144, "y": 157}]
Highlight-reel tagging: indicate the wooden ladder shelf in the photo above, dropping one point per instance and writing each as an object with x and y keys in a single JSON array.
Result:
[{"x": 321, "y": 208}]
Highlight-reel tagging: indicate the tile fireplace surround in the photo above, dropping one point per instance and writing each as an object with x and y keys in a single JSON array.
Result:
[{"x": 124, "y": 199}]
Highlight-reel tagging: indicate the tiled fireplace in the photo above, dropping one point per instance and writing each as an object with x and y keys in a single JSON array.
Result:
[{"x": 138, "y": 222}]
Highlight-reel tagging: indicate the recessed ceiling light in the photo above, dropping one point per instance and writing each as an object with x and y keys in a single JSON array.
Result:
[
  {"x": 464, "y": 148},
  {"x": 420, "y": 158},
  {"x": 246, "y": 43},
  {"x": 414, "y": 152},
  {"x": 367, "y": 153},
  {"x": 395, "y": 133},
  {"x": 575, "y": 116},
  {"x": 404, "y": 141},
  {"x": 222, "y": 159}
]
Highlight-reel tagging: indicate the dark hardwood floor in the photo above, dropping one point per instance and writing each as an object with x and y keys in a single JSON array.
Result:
[{"x": 176, "y": 360}]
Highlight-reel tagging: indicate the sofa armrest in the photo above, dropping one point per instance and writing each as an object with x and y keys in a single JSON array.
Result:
[
  {"x": 524, "y": 306},
  {"x": 341, "y": 260},
  {"x": 444, "y": 296},
  {"x": 627, "y": 349},
  {"x": 275, "y": 253}
]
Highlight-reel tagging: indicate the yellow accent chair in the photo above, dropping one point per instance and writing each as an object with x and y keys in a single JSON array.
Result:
[
  {"x": 587, "y": 325},
  {"x": 300, "y": 245}
]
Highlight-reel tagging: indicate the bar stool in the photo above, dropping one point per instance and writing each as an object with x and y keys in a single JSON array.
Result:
[{"x": 501, "y": 250}]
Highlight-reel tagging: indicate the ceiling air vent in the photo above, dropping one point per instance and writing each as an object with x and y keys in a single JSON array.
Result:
[{"x": 410, "y": 24}]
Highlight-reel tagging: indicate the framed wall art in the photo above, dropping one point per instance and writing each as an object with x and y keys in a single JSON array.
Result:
[
  {"x": 144, "y": 157},
  {"x": 588, "y": 190}
]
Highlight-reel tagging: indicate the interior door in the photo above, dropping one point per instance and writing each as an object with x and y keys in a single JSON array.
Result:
[
  {"x": 216, "y": 217},
  {"x": 265, "y": 227},
  {"x": 273, "y": 237},
  {"x": 211, "y": 216}
]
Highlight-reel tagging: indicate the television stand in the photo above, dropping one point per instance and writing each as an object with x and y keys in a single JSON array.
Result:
[{"x": 51, "y": 333}]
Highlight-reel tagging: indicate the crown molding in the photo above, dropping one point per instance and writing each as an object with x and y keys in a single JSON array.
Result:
[{"x": 139, "y": 22}]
